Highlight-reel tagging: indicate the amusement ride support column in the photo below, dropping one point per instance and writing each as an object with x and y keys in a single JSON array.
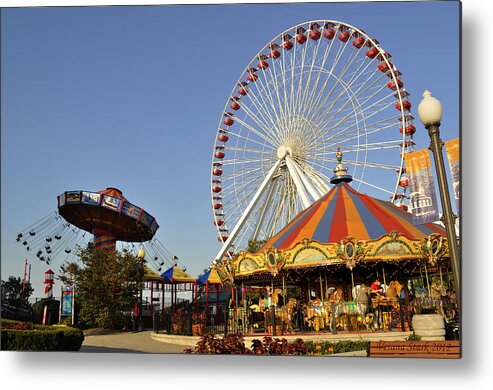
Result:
[{"x": 104, "y": 239}]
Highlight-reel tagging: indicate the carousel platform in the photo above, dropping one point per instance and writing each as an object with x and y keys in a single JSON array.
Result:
[{"x": 320, "y": 336}]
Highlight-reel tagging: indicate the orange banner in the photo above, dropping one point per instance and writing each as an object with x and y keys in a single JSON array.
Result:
[
  {"x": 452, "y": 148},
  {"x": 422, "y": 187}
]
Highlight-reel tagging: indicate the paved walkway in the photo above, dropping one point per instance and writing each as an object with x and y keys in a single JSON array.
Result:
[{"x": 129, "y": 342}]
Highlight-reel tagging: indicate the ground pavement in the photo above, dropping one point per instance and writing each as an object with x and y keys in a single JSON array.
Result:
[{"x": 129, "y": 342}]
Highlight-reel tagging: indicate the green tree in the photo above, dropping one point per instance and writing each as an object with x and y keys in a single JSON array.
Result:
[
  {"x": 255, "y": 245},
  {"x": 14, "y": 294},
  {"x": 106, "y": 285}
]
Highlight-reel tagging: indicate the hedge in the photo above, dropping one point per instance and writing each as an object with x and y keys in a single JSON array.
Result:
[{"x": 39, "y": 338}]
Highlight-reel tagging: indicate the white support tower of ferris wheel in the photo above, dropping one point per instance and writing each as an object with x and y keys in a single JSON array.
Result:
[{"x": 315, "y": 87}]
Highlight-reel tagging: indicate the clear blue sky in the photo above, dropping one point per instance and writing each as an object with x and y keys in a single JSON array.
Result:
[{"x": 130, "y": 97}]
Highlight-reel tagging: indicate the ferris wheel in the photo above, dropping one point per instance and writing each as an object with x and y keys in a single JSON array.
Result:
[{"x": 315, "y": 87}]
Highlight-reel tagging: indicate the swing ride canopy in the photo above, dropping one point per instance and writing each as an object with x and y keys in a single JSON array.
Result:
[
  {"x": 211, "y": 277},
  {"x": 151, "y": 276},
  {"x": 176, "y": 275},
  {"x": 107, "y": 210},
  {"x": 344, "y": 227}
]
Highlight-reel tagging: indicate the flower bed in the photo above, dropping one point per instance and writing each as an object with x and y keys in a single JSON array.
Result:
[
  {"x": 234, "y": 344},
  {"x": 25, "y": 336}
]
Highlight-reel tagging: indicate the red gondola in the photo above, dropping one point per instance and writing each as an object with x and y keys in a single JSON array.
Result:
[
  {"x": 223, "y": 137},
  {"x": 217, "y": 171},
  {"x": 219, "y": 222},
  {"x": 286, "y": 42},
  {"x": 300, "y": 35},
  {"x": 392, "y": 84},
  {"x": 404, "y": 182},
  {"x": 229, "y": 119},
  {"x": 384, "y": 67},
  {"x": 329, "y": 32},
  {"x": 243, "y": 88},
  {"x": 360, "y": 41},
  {"x": 252, "y": 75},
  {"x": 344, "y": 35},
  {"x": 263, "y": 64},
  {"x": 274, "y": 51},
  {"x": 219, "y": 152},
  {"x": 216, "y": 186},
  {"x": 410, "y": 130},
  {"x": 315, "y": 33},
  {"x": 403, "y": 207},
  {"x": 406, "y": 105},
  {"x": 235, "y": 105},
  {"x": 372, "y": 53}
]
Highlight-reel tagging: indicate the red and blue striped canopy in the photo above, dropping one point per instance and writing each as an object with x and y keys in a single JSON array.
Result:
[{"x": 345, "y": 212}]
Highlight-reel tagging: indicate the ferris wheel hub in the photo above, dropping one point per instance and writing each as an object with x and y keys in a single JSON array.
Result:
[{"x": 283, "y": 151}]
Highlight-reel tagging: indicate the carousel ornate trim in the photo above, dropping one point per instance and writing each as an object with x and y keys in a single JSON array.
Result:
[
  {"x": 274, "y": 260},
  {"x": 434, "y": 248},
  {"x": 226, "y": 271},
  {"x": 351, "y": 251}
]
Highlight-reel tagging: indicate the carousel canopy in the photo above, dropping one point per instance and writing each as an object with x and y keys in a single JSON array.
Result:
[
  {"x": 345, "y": 212},
  {"x": 177, "y": 275},
  {"x": 210, "y": 276}
]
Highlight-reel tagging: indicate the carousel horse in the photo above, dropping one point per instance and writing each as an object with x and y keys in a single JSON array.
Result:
[
  {"x": 444, "y": 305},
  {"x": 394, "y": 290},
  {"x": 312, "y": 314},
  {"x": 362, "y": 306},
  {"x": 286, "y": 314},
  {"x": 437, "y": 302},
  {"x": 341, "y": 310}
]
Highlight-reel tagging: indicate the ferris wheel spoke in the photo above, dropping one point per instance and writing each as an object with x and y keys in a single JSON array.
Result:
[
  {"x": 350, "y": 134},
  {"x": 309, "y": 101},
  {"x": 264, "y": 124},
  {"x": 241, "y": 161},
  {"x": 255, "y": 131},
  {"x": 248, "y": 140},
  {"x": 366, "y": 164},
  {"x": 357, "y": 94},
  {"x": 346, "y": 134},
  {"x": 310, "y": 88},
  {"x": 343, "y": 120},
  {"x": 395, "y": 144},
  {"x": 373, "y": 186},
  {"x": 261, "y": 106},
  {"x": 325, "y": 121},
  {"x": 242, "y": 171},
  {"x": 338, "y": 56}
]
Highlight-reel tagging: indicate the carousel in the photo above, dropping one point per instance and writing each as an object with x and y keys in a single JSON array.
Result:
[{"x": 349, "y": 262}]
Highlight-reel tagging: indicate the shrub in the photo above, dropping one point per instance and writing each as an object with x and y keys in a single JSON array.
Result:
[
  {"x": 51, "y": 312},
  {"x": 21, "y": 336},
  {"x": 329, "y": 348},
  {"x": 413, "y": 337},
  {"x": 234, "y": 344}
]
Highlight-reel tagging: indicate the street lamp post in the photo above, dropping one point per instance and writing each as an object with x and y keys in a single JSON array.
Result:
[{"x": 430, "y": 113}]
